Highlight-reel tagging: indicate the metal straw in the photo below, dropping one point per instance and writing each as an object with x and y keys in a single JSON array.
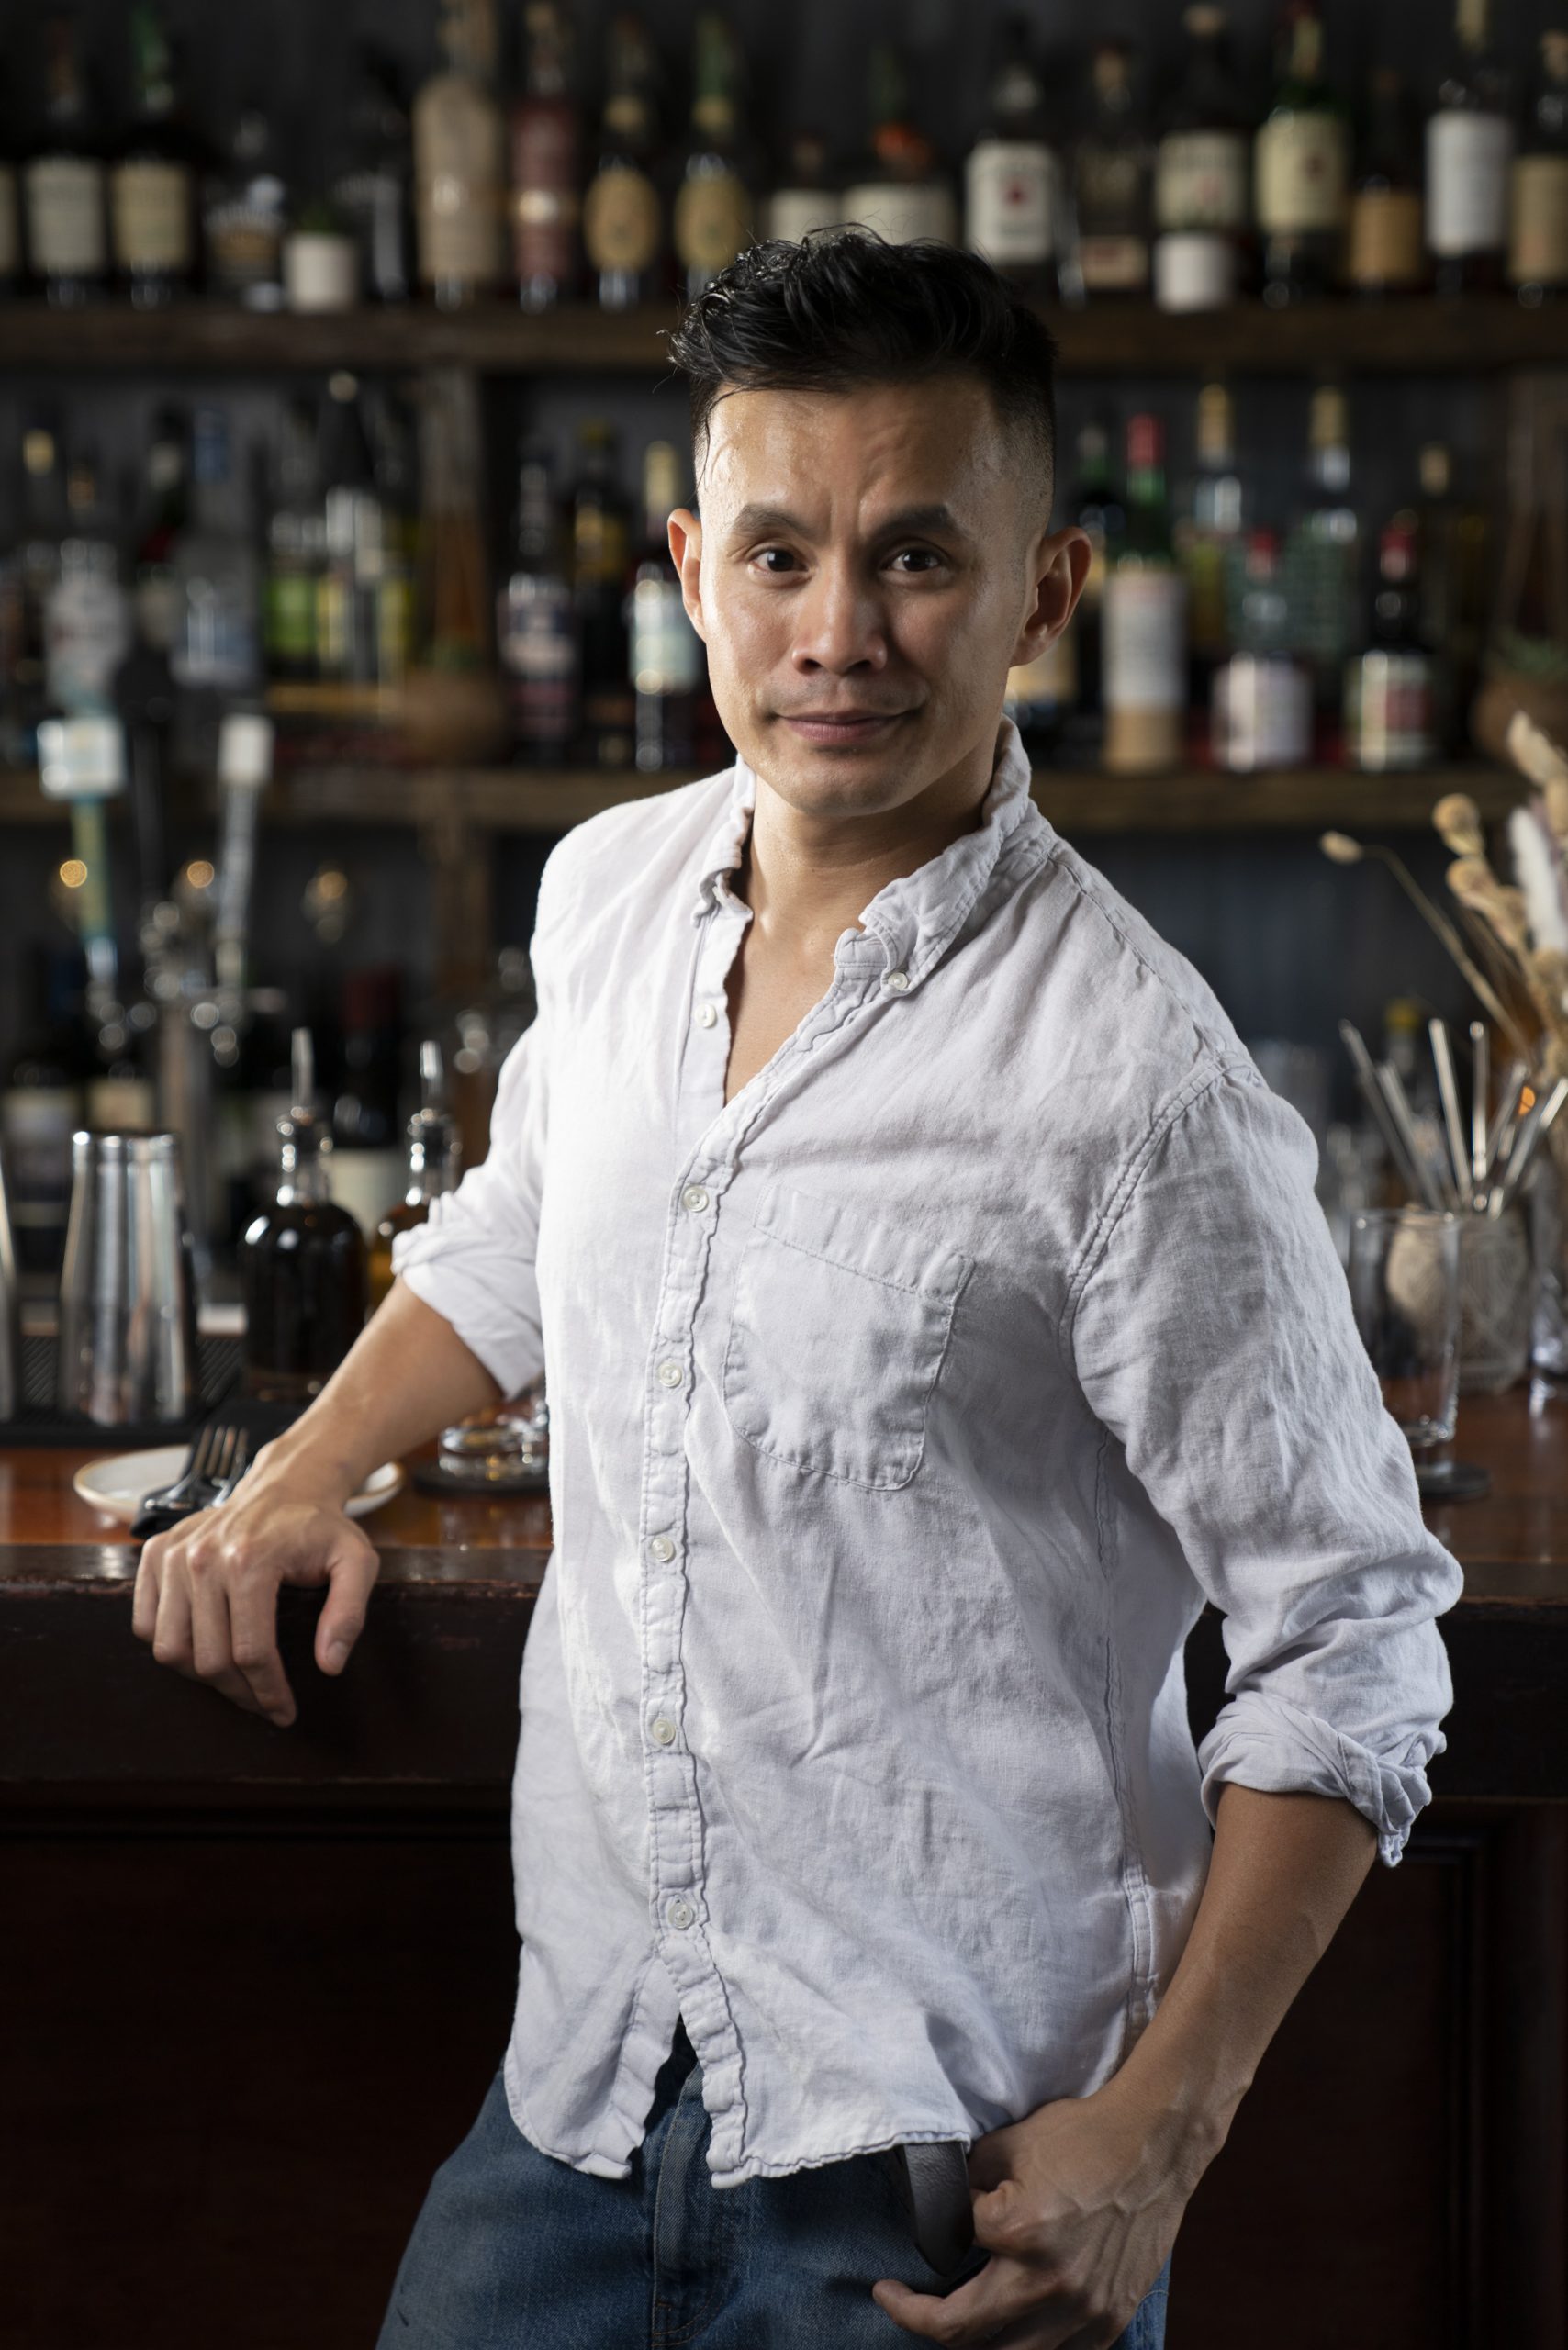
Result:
[
  {"x": 1424, "y": 1180},
  {"x": 1447, "y": 1092},
  {"x": 1480, "y": 1089}
]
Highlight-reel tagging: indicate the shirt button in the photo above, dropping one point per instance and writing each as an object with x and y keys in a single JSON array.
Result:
[
  {"x": 706, "y": 1015},
  {"x": 663, "y": 1729},
  {"x": 695, "y": 1198},
  {"x": 680, "y": 1912},
  {"x": 662, "y": 1547},
  {"x": 670, "y": 1374},
  {"x": 896, "y": 981}
]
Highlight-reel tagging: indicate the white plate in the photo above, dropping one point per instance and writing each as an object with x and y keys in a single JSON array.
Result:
[{"x": 117, "y": 1486}]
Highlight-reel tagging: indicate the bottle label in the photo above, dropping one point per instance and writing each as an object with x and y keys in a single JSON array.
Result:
[
  {"x": 1262, "y": 712},
  {"x": 1010, "y": 187},
  {"x": 1386, "y": 246},
  {"x": 457, "y": 145},
  {"x": 794, "y": 212},
  {"x": 1391, "y": 710},
  {"x": 900, "y": 213},
  {"x": 667, "y": 652},
  {"x": 289, "y": 619},
  {"x": 1145, "y": 640},
  {"x": 1114, "y": 264},
  {"x": 1467, "y": 182},
  {"x": 86, "y": 636},
  {"x": 10, "y": 234},
  {"x": 244, "y": 238},
  {"x": 150, "y": 207},
  {"x": 620, "y": 219},
  {"x": 1302, "y": 174},
  {"x": 712, "y": 220},
  {"x": 1038, "y": 688},
  {"x": 1194, "y": 269},
  {"x": 538, "y": 647},
  {"x": 544, "y": 205},
  {"x": 65, "y": 217},
  {"x": 1538, "y": 235},
  {"x": 1201, "y": 180}
]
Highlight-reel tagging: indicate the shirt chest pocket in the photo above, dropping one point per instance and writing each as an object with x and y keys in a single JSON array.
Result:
[{"x": 837, "y": 1337}]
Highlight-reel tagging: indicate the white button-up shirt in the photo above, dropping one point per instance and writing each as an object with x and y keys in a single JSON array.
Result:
[{"x": 905, "y": 1412}]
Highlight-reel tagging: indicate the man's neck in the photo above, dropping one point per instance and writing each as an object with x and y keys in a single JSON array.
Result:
[{"x": 807, "y": 876}]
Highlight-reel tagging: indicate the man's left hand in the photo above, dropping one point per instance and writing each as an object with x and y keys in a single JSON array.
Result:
[{"x": 1077, "y": 2205}]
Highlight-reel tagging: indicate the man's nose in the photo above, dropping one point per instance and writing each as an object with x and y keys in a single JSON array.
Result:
[{"x": 840, "y": 623}]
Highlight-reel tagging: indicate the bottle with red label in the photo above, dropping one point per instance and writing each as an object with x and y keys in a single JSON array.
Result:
[
  {"x": 547, "y": 165},
  {"x": 1391, "y": 700}
]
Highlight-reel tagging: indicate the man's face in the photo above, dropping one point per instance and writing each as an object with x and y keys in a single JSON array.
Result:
[{"x": 868, "y": 567}]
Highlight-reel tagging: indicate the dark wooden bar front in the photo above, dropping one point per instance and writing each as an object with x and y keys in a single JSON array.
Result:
[{"x": 255, "y": 1982}]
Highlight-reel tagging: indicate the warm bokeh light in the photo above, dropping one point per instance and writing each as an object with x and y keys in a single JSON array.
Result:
[
  {"x": 73, "y": 873},
  {"x": 200, "y": 873}
]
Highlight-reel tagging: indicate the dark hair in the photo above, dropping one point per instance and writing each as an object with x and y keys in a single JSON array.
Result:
[{"x": 843, "y": 309}]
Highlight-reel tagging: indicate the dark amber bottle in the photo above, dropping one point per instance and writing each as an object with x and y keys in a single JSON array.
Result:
[
  {"x": 434, "y": 1163},
  {"x": 302, "y": 1263}
]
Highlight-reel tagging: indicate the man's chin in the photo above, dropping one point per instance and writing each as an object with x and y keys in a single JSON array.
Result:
[{"x": 852, "y": 778}]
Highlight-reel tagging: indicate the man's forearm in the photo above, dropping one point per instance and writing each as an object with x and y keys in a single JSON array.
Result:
[
  {"x": 1283, "y": 1871},
  {"x": 405, "y": 1377}
]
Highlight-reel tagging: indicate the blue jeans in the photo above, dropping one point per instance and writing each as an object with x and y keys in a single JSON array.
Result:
[{"x": 515, "y": 2250}]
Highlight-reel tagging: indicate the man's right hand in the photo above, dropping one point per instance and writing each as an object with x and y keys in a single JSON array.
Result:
[{"x": 207, "y": 1591}]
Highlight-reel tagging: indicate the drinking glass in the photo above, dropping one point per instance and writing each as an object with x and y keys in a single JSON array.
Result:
[
  {"x": 1402, "y": 1266},
  {"x": 503, "y": 1448}
]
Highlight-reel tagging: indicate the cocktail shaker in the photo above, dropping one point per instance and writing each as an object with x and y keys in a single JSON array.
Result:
[
  {"x": 128, "y": 1334},
  {"x": 10, "y": 1312}
]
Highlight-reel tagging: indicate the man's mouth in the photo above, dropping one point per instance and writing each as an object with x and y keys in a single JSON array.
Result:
[{"x": 832, "y": 727}]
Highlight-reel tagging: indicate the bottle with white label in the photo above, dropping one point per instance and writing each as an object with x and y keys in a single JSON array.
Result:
[
  {"x": 900, "y": 192},
  {"x": 153, "y": 186},
  {"x": 1111, "y": 176},
  {"x": 1469, "y": 154},
  {"x": 1538, "y": 212},
  {"x": 805, "y": 198},
  {"x": 1202, "y": 199},
  {"x": 1012, "y": 180},
  {"x": 87, "y": 619},
  {"x": 667, "y": 652},
  {"x": 1145, "y": 621},
  {"x": 459, "y": 165},
  {"x": 1301, "y": 170},
  {"x": 63, "y": 185},
  {"x": 1261, "y": 706}
]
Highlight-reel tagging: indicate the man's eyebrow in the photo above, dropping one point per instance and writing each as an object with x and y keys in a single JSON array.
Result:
[{"x": 756, "y": 520}]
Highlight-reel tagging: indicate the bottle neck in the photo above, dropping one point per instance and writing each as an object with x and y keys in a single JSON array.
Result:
[{"x": 302, "y": 1169}]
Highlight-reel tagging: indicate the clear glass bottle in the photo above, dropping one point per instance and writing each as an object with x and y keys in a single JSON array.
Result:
[
  {"x": 667, "y": 652},
  {"x": 712, "y": 217},
  {"x": 1261, "y": 699},
  {"x": 1323, "y": 555},
  {"x": 624, "y": 219},
  {"x": 372, "y": 194},
  {"x": 434, "y": 1165},
  {"x": 536, "y": 630},
  {"x": 295, "y": 549},
  {"x": 459, "y": 161},
  {"x": 243, "y": 218},
  {"x": 1209, "y": 542},
  {"x": 546, "y": 164},
  {"x": 87, "y": 622},
  {"x": 1470, "y": 151},
  {"x": 1301, "y": 170},
  {"x": 218, "y": 648},
  {"x": 1385, "y": 253},
  {"x": 153, "y": 186},
  {"x": 63, "y": 185},
  {"x": 900, "y": 189},
  {"x": 354, "y": 530},
  {"x": 1013, "y": 193},
  {"x": 1202, "y": 199},
  {"x": 302, "y": 1261},
  {"x": 1145, "y": 621},
  {"x": 1111, "y": 183},
  {"x": 1538, "y": 206},
  {"x": 601, "y": 555}
]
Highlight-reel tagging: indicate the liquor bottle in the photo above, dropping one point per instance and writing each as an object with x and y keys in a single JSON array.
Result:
[
  {"x": 243, "y": 220},
  {"x": 1145, "y": 621},
  {"x": 1202, "y": 199},
  {"x": 1470, "y": 151},
  {"x": 63, "y": 187},
  {"x": 1012, "y": 180},
  {"x": 1454, "y": 588},
  {"x": 1391, "y": 709},
  {"x": 600, "y": 553},
  {"x": 459, "y": 161},
  {"x": 372, "y": 192},
  {"x": 164, "y": 503},
  {"x": 805, "y": 197},
  {"x": 435, "y": 1161},
  {"x": 623, "y": 227},
  {"x": 900, "y": 190},
  {"x": 153, "y": 186},
  {"x": 712, "y": 220},
  {"x": 35, "y": 569},
  {"x": 1323, "y": 553},
  {"x": 546, "y": 141},
  {"x": 347, "y": 632},
  {"x": 10, "y": 221},
  {"x": 1261, "y": 702},
  {"x": 536, "y": 630},
  {"x": 295, "y": 548},
  {"x": 302, "y": 1261},
  {"x": 1386, "y": 253},
  {"x": 1208, "y": 541},
  {"x": 87, "y": 626},
  {"x": 1112, "y": 170},
  {"x": 366, "y": 1151},
  {"x": 1538, "y": 208},
  {"x": 1095, "y": 507},
  {"x": 218, "y": 647},
  {"x": 667, "y": 652},
  {"x": 42, "y": 1102},
  {"x": 1302, "y": 169}
]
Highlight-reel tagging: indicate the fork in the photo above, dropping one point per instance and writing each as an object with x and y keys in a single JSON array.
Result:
[{"x": 216, "y": 1461}]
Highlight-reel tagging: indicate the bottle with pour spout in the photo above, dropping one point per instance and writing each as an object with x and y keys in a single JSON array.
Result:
[
  {"x": 435, "y": 1161},
  {"x": 302, "y": 1261}
]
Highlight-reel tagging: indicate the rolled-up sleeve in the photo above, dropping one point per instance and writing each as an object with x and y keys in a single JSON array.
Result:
[{"x": 1213, "y": 1335}]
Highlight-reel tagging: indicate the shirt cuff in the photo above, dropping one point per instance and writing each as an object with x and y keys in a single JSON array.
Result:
[
  {"x": 509, "y": 1350},
  {"x": 1267, "y": 1743}
]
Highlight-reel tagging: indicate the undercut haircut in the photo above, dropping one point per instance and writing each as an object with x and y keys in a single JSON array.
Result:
[{"x": 843, "y": 309}]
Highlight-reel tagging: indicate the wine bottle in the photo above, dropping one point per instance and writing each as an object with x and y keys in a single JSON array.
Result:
[
  {"x": 458, "y": 161},
  {"x": 1111, "y": 183},
  {"x": 1538, "y": 210},
  {"x": 667, "y": 652},
  {"x": 1202, "y": 204},
  {"x": 623, "y": 226},
  {"x": 1385, "y": 253},
  {"x": 546, "y": 141},
  {"x": 1012, "y": 182},
  {"x": 900, "y": 190},
  {"x": 1470, "y": 149},
  {"x": 1301, "y": 170},
  {"x": 63, "y": 185},
  {"x": 153, "y": 186},
  {"x": 1145, "y": 621},
  {"x": 712, "y": 219},
  {"x": 536, "y": 632}
]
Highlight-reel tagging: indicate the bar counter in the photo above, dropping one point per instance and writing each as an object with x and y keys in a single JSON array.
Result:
[{"x": 258, "y": 1979}]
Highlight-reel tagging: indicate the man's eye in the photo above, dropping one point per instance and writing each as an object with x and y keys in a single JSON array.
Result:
[
  {"x": 919, "y": 558},
  {"x": 774, "y": 559}
]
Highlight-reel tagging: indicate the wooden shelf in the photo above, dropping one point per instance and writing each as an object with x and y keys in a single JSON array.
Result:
[
  {"x": 1415, "y": 337},
  {"x": 523, "y": 800}
]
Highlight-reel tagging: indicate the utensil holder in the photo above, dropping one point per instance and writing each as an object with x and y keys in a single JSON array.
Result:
[{"x": 1497, "y": 1296}]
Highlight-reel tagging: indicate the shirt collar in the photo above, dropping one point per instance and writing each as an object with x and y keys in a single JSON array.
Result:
[{"x": 909, "y": 923}]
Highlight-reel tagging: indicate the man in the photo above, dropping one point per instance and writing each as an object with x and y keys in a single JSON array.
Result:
[{"x": 937, "y": 1310}]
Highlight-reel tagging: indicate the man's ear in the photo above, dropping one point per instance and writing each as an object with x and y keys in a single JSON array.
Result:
[
  {"x": 1058, "y": 562},
  {"x": 686, "y": 553}
]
